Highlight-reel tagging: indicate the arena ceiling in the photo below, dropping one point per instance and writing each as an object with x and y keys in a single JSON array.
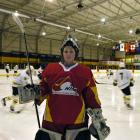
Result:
[{"x": 94, "y": 22}]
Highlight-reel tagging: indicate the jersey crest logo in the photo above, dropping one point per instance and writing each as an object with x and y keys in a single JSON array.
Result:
[{"x": 64, "y": 87}]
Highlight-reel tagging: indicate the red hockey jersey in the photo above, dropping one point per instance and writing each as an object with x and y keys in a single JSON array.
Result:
[{"x": 69, "y": 91}]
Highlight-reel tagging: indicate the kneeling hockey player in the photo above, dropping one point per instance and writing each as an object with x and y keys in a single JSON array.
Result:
[{"x": 20, "y": 80}]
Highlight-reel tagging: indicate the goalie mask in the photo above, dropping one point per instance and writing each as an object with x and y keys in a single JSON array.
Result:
[{"x": 70, "y": 42}]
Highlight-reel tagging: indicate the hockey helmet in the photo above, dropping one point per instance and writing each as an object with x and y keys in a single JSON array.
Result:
[
  {"x": 69, "y": 41},
  {"x": 122, "y": 65}
]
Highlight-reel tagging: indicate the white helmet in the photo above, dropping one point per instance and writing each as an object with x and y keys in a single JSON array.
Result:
[{"x": 122, "y": 65}]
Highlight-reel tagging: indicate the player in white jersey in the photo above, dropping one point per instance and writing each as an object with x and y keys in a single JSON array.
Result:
[
  {"x": 15, "y": 68},
  {"x": 21, "y": 79},
  {"x": 40, "y": 70},
  {"x": 109, "y": 73},
  {"x": 124, "y": 79},
  {"x": 7, "y": 69}
]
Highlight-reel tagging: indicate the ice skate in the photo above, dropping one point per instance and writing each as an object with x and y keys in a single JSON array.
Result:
[
  {"x": 3, "y": 101},
  {"x": 12, "y": 109},
  {"x": 130, "y": 107}
]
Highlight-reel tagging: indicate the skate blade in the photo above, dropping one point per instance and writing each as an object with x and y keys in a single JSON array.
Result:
[
  {"x": 130, "y": 108},
  {"x": 16, "y": 112}
]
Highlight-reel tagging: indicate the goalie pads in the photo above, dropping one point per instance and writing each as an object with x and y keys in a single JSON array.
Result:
[
  {"x": 44, "y": 134},
  {"x": 70, "y": 134},
  {"x": 98, "y": 128},
  {"x": 28, "y": 93}
]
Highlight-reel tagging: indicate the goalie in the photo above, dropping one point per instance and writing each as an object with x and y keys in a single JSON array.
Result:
[
  {"x": 70, "y": 90},
  {"x": 20, "y": 80}
]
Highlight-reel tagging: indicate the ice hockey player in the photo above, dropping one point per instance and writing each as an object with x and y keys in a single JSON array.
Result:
[
  {"x": 7, "y": 69},
  {"x": 15, "y": 68},
  {"x": 124, "y": 79},
  {"x": 21, "y": 79},
  {"x": 71, "y": 95},
  {"x": 109, "y": 73},
  {"x": 40, "y": 70}
]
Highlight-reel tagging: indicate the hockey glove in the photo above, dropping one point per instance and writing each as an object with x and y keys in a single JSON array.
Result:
[
  {"x": 131, "y": 83},
  {"x": 111, "y": 73},
  {"x": 114, "y": 83},
  {"x": 98, "y": 128}
]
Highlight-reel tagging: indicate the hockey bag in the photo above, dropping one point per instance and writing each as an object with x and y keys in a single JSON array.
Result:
[{"x": 28, "y": 93}]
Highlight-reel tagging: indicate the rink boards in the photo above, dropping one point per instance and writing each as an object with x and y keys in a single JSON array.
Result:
[{"x": 102, "y": 72}]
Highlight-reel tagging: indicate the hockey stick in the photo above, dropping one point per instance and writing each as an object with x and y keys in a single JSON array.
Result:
[
  {"x": 19, "y": 23},
  {"x": 103, "y": 83}
]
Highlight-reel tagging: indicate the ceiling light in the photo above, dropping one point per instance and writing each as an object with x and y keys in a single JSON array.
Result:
[
  {"x": 16, "y": 13},
  {"x": 68, "y": 27},
  {"x": 103, "y": 19},
  {"x": 49, "y": 0},
  {"x": 130, "y": 31},
  {"x": 43, "y": 33},
  {"x": 99, "y": 36}
]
